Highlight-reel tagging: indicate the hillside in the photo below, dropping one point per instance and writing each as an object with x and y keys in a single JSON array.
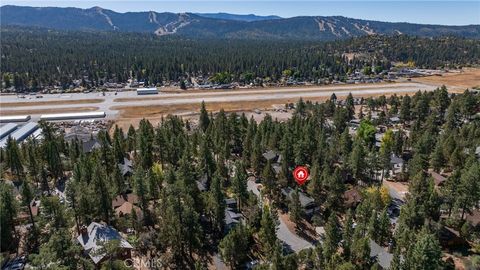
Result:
[
  {"x": 238, "y": 17},
  {"x": 222, "y": 26}
]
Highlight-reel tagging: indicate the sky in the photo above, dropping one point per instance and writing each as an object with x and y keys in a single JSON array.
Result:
[{"x": 425, "y": 12}]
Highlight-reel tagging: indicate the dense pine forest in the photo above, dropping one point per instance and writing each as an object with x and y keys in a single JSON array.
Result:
[
  {"x": 33, "y": 59},
  {"x": 183, "y": 226}
]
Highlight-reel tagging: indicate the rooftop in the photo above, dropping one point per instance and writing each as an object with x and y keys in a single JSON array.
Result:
[{"x": 93, "y": 239}]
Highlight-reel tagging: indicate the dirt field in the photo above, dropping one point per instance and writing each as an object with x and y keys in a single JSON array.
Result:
[
  {"x": 468, "y": 78},
  {"x": 46, "y": 111},
  {"x": 55, "y": 102},
  {"x": 133, "y": 114}
]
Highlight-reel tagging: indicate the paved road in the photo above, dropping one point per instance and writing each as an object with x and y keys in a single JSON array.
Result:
[
  {"x": 294, "y": 242},
  {"x": 110, "y": 104}
]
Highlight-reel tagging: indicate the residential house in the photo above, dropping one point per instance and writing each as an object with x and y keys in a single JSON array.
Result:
[
  {"x": 394, "y": 120},
  {"x": 378, "y": 139},
  {"x": 90, "y": 145},
  {"x": 232, "y": 216},
  {"x": 202, "y": 183},
  {"x": 307, "y": 203},
  {"x": 275, "y": 160},
  {"x": 438, "y": 179},
  {"x": 380, "y": 255},
  {"x": 352, "y": 198},
  {"x": 121, "y": 199},
  {"x": 94, "y": 237},
  {"x": 127, "y": 208},
  {"x": 397, "y": 164},
  {"x": 126, "y": 168},
  {"x": 474, "y": 217}
]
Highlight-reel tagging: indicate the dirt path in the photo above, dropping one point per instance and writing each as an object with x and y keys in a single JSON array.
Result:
[
  {"x": 46, "y": 111},
  {"x": 53, "y": 102}
]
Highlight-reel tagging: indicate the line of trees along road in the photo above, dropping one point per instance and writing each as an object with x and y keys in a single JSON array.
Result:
[
  {"x": 184, "y": 226},
  {"x": 36, "y": 58}
]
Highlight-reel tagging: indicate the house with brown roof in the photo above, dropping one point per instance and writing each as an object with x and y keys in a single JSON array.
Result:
[
  {"x": 438, "y": 179},
  {"x": 121, "y": 199},
  {"x": 352, "y": 197},
  {"x": 127, "y": 208}
]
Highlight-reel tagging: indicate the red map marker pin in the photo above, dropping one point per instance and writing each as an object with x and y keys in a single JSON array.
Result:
[{"x": 300, "y": 174}]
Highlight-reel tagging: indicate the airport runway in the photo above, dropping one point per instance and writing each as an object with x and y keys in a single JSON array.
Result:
[{"x": 111, "y": 103}]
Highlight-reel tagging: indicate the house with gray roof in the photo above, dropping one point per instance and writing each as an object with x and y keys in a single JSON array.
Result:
[
  {"x": 94, "y": 237},
  {"x": 126, "y": 168},
  {"x": 378, "y": 253},
  {"x": 307, "y": 202},
  {"x": 396, "y": 163},
  {"x": 232, "y": 217}
]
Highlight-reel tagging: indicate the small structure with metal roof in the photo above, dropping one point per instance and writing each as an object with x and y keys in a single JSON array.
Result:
[
  {"x": 20, "y": 134},
  {"x": 147, "y": 91},
  {"x": 14, "y": 118},
  {"x": 7, "y": 129}
]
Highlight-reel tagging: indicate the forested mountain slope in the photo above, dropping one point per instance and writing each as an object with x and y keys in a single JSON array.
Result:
[{"x": 200, "y": 26}]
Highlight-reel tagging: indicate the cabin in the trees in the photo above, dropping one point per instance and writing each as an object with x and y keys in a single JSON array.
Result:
[
  {"x": 202, "y": 183},
  {"x": 126, "y": 167},
  {"x": 307, "y": 202},
  {"x": 121, "y": 199},
  {"x": 394, "y": 120},
  {"x": 397, "y": 164},
  {"x": 232, "y": 217},
  {"x": 127, "y": 209},
  {"x": 275, "y": 159},
  {"x": 352, "y": 198},
  {"x": 90, "y": 145},
  {"x": 380, "y": 255},
  {"x": 94, "y": 237},
  {"x": 438, "y": 179}
]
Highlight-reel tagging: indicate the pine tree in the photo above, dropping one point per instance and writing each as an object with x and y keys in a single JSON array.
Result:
[
  {"x": 267, "y": 236},
  {"x": 234, "y": 247},
  {"x": 332, "y": 237},
  {"x": 405, "y": 109},
  {"x": 51, "y": 150},
  {"x": 426, "y": 253},
  {"x": 350, "y": 105},
  {"x": 142, "y": 191},
  {"x": 347, "y": 235},
  {"x": 269, "y": 181},
  {"x": 469, "y": 187},
  {"x": 13, "y": 158},
  {"x": 295, "y": 208},
  {"x": 256, "y": 157},
  {"x": 27, "y": 197},
  {"x": 357, "y": 161},
  {"x": 145, "y": 144},
  {"x": 102, "y": 195},
  {"x": 8, "y": 213},
  {"x": 216, "y": 204},
  {"x": 239, "y": 183},
  {"x": 204, "y": 121}
]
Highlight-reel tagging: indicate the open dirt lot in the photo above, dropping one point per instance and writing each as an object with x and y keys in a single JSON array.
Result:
[{"x": 468, "y": 78}]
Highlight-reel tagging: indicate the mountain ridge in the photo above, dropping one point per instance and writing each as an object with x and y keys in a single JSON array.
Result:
[{"x": 220, "y": 25}]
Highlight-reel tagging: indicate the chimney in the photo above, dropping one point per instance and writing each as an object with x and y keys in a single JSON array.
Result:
[{"x": 84, "y": 231}]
